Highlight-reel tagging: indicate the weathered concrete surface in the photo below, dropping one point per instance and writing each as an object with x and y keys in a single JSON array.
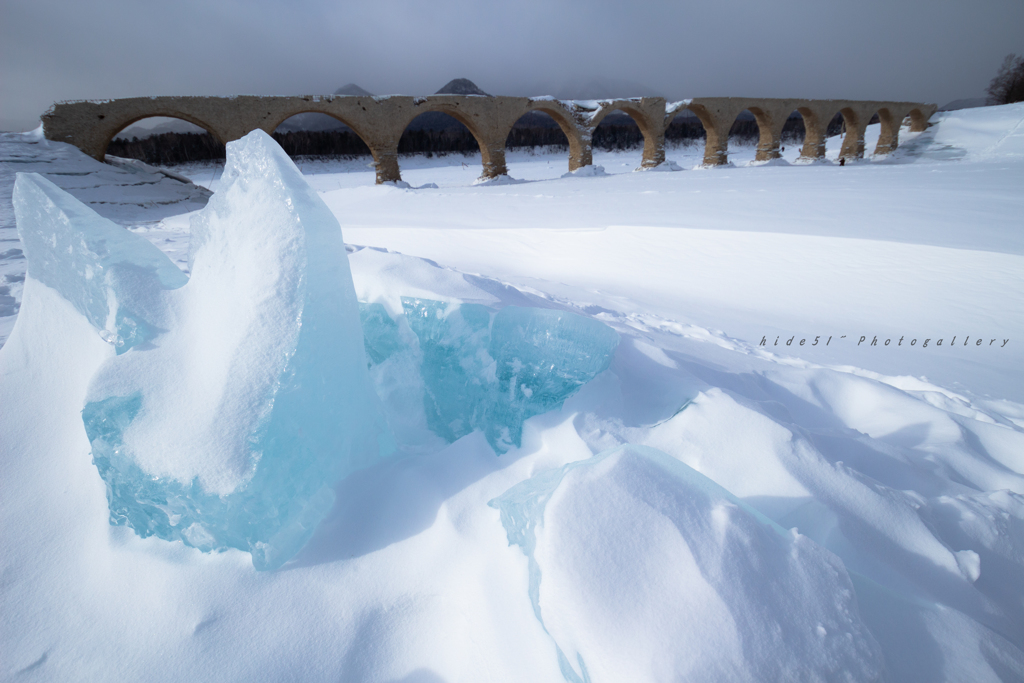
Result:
[
  {"x": 380, "y": 122},
  {"x": 717, "y": 115},
  {"x": 649, "y": 115}
]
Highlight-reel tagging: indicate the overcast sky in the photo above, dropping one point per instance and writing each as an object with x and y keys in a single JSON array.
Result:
[{"x": 933, "y": 51}]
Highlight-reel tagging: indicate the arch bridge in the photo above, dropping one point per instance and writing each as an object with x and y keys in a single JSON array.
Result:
[{"x": 380, "y": 122}]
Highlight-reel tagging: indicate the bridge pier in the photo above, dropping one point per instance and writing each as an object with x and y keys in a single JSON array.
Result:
[
  {"x": 717, "y": 116},
  {"x": 889, "y": 136},
  {"x": 853, "y": 140},
  {"x": 385, "y": 163},
  {"x": 816, "y": 119},
  {"x": 493, "y": 159},
  {"x": 769, "y": 144},
  {"x": 853, "y": 144},
  {"x": 654, "y": 149},
  {"x": 770, "y": 121},
  {"x": 581, "y": 151}
]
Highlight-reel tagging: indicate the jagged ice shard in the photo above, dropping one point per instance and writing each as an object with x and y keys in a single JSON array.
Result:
[
  {"x": 483, "y": 369},
  {"x": 239, "y": 395},
  {"x": 108, "y": 274}
]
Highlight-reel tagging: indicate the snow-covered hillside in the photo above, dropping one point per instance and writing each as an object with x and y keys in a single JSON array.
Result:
[{"x": 707, "y": 508}]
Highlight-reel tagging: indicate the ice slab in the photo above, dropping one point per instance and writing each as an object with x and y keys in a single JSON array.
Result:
[
  {"x": 543, "y": 356},
  {"x": 477, "y": 368},
  {"x": 249, "y": 398},
  {"x": 110, "y": 275},
  {"x": 394, "y": 364},
  {"x": 643, "y": 569},
  {"x": 457, "y": 371}
]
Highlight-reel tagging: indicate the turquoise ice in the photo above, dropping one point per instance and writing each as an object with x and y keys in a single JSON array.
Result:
[
  {"x": 491, "y": 370},
  {"x": 250, "y": 398},
  {"x": 235, "y": 398},
  {"x": 110, "y": 275},
  {"x": 543, "y": 357},
  {"x": 458, "y": 373}
]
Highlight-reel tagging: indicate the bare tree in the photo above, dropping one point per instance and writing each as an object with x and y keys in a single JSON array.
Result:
[{"x": 1008, "y": 85}]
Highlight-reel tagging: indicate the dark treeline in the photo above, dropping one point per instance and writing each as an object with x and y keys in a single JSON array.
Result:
[
  {"x": 537, "y": 137},
  {"x": 454, "y": 140},
  {"x": 168, "y": 148},
  {"x": 617, "y": 132},
  {"x": 334, "y": 143}
]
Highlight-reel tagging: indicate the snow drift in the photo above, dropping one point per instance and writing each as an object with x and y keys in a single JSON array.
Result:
[{"x": 716, "y": 579}]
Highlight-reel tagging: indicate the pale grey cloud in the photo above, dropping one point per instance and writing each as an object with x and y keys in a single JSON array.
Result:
[{"x": 897, "y": 49}]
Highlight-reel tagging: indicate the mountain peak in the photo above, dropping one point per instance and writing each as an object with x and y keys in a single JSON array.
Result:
[
  {"x": 352, "y": 89},
  {"x": 461, "y": 86}
]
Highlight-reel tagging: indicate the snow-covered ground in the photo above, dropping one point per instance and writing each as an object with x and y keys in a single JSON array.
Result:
[{"x": 898, "y": 466}]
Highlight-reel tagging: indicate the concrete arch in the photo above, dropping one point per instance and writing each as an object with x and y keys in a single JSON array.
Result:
[
  {"x": 450, "y": 111},
  {"x": 375, "y": 150},
  {"x": 580, "y": 151},
  {"x": 892, "y": 117},
  {"x": 769, "y": 131},
  {"x": 491, "y": 157},
  {"x": 649, "y": 115},
  {"x": 360, "y": 114},
  {"x": 116, "y": 126},
  {"x": 716, "y": 115},
  {"x": 279, "y": 119},
  {"x": 771, "y": 116}
]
